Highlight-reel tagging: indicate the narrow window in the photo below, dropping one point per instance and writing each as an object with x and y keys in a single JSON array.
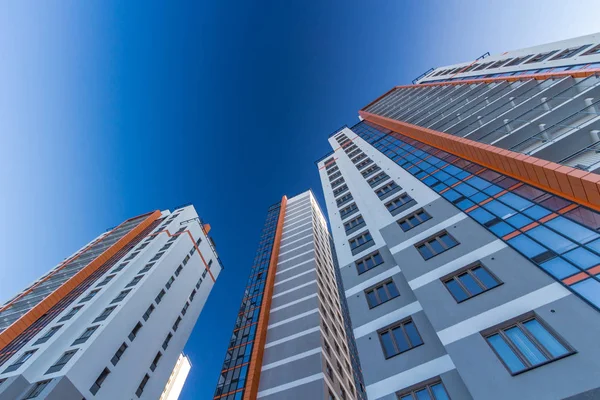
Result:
[
  {"x": 398, "y": 202},
  {"x": 526, "y": 344},
  {"x": 134, "y": 331},
  {"x": 61, "y": 362},
  {"x": 369, "y": 262},
  {"x": 436, "y": 245},
  {"x": 176, "y": 324},
  {"x": 135, "y": 281},
  {"x": 192, "y": 295},
  {"x": 159, "y": 297},
  {"x": 148, "y": 312},
  {"x": 414, "y": 219},
  {"x": 20, "y": 361},
  {"x": 115, "y": 359},
  {"x": 469, "y": 282},
  {"x": 354, "y": 223},
  {"x": 360, "y": 240},
  {"x": 155, "y": 361},
  {"x": 85, "y": 335},
  {"x": 434, "y": 390},
  {"x": 170, "y": 282},
  {"x": 70, "y": 314},
  {"x": 98, "y": 383},
  {"x": 89, "y": 296},
  {"x": 105, "y": 314},
  {"x": 178, "y": 270},
  {"x": 106, "y": 280},
  {"x": 121, "y": 296},
  {"x": 166, "y": 341},
  {"x": 37, "y": 389},
  {"x": 399, "y": 338},
  {"x": 185, "y": 308},
  {"x": 387, "y": 189},
  {"x": 48, "y": 335},
  {"x": 381, "y": 293}
]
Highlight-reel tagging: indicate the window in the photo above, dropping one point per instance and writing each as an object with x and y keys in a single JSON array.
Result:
[
  {"x": 119, "y": 268},
  {"x": 470, "y": 282},
  {"x": 436, "y": 245},
  {"x": 192, "y": 295},
  {"x": 186, "y": 259},
  {"x": 541, "y": 57},
  {"x": 48, "y": 335},
  {"x": 170, "y": 282},
  {"x": 105, "y": 314},
  {"x": 337, "y": 183},
  {"x": 98, "y": 383},
  {"x": 157, "y": 256},
  {"x": 329, "y": 370},
  {"x": 159, "y": 297},
  {"x": 135, "y": 331},
  {"x": 363, "y": 163},
  {"x": 369, "y": 171},
  {"x": 142, "y": 385},
  {"x": 106, "y": 280},
  {"x": 20, "y": 361},
  {"x": 354, "y": 223},
  {"x": 387, "y": 189},
  {"x": 115, "y": 359},
  {"x": 198, "y": 283},
  {"x": 335, "y": 175},
  {"x": 148, "y": 312},
  {"x": 344, "y": 199},
  {"x": 178, "y": 270},
  {"x": 176, "y": 324},
  {"x": 413, "y": 220},
  {"x": 430, "y": 391},
  {"x": 593, "y": 50},
  {"x": 185, "y": 308},
  {"x": 369, "y": 262},
  {"x": 89, "y": 296},
  {"x": 398, "y": 202},
  {"x": 525, "y": 344},
  {"x": 166, "y": 341},
  {"x": 349, "y": 210},
  {"x": 340, "y": 190},
  {"x": 360, "y": 240},
  {"x": 399, "y": 338},
  {"x": 85, "y": 335},
  {"x": 570, "y": 52},
  {"x": 359, "y": 157},
  {"x": 121, "y": 296},
  {"x": 37, "y": 389},
  {"x": 70, "y": 314},
  {"x": 377, "y": 179},
  {"x": 381, "y": 293},
  {"x": 135, "y": 281},
  {"x": 61, "y": 362},
  {"x": 155, "y": 361}
]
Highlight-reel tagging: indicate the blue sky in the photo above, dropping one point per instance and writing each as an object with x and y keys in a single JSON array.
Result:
[{"x": 109, "y": 109}]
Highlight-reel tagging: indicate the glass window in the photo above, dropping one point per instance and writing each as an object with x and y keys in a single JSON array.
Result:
[
  {"x": 61, "y": 362},
  {"x": 526, "y": 344},
  {"x": 559, "y": 268},
  {"x": 399, "y": 338},
  {"x": 381, "y": 293},
  {"x": 526, "y": 246},
  {"x": 470, "y": 282},
  {"x": 572, "y": 230},
  {"x": 589, "y": 289},
  {"x": 550, "y": 239},
  {"x": 582, "y": 258},
  {"x": 436, "y": 245}
]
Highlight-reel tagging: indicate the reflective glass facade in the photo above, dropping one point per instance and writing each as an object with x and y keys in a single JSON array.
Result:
[
  {"x": 555, "y": 234},
  {"x": 232, "y": 380}
]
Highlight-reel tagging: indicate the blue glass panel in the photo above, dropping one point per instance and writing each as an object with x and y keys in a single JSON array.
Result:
[
  {"x": 439, "y": 392},
  {"x": 511, "y": 360},
  {"x": 546, "y": 339},
  {"x": 388, "y": 345},
  {"x": 536, "y": 212},
  {"x": 551, "y": 239},
  {"x": 499, "y": 209},
  {"x": 559, "y": 268},
  {"x": 519, "y": 220},
  {"x": 582, "y": 258},
  {"x": 465, "y": 204},
  {"x": 412, "y": 333},
  {"x": 572, "y": 230},
  {"x": 451, "y": 181},
  {"x": 441, "y": 175},
  {"x": 465, "y": 189},
  {"x": 452, "y": 170},
  {"x": 451, "y": 195},
  {"x": 595, "y": 245},
  {"x": 439, "y": 187},
  {"x": 485, "y": 277},
  {"x": 400, "y": 339},
  {"x": 589, "y": 289},
  {"x": 526, "y": 346},
  {"x": 472, "y": 286},
  {"x": 430, "y": 181},
  {"x": 463, "y": 175},
  {"x": 479, "y": 197},
  {"x": 458, "y": 292},
  {"x": 526, "y": 246},
  {"x": 423, "y": 395},
  {"x": 421, "y": 174},
  {"x": 516, "y": 202},
  {"x": 493, "y": 190},
  {"x": 481, "y": 216},
  {"x": 478, "y": 182},
  {"x": 501, "y": 229}
]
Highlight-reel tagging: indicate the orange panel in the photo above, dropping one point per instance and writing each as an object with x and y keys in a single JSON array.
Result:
[
  {"x": 254, "y": 369},
  {"x": 37, "y": 311},
  {"x": 575, "y": 278}
]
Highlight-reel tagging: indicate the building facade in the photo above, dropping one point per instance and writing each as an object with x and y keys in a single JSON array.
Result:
[
  {"x": 290, "y": 340},
  {"x": 177, "y": 379},
  {"x": 110, "y": 321},
  {"x": 471, "y": 267}
]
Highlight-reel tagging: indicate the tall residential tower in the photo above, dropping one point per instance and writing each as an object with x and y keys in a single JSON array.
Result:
[
  {"x": 111, "y": 320},
  {"x": 292, "y": 339},
  {"x": 465, "y": 218}
]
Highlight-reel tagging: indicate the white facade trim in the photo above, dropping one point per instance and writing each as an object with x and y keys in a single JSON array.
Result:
[{"x": 387, "y": 319}]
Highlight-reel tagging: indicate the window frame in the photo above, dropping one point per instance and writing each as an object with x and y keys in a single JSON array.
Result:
[
  {"x": 374, "y": 288},
  {"x": 518, "y": 322},
  {"x": 427, "y": 384},
  {"x": 435, "y": 236},
  {"x": 363, "y": 260},
  {"x": 469, "y": 269},
  {"x": 406, "y": 219},
  {"x": 390, "y": 328}
]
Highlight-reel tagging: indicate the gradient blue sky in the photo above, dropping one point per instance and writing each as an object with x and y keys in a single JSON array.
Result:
[{"x": 109, "y": 109}]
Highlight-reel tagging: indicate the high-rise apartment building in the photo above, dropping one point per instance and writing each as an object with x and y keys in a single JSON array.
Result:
[
  {"x": 177, "y": 379},
  {"x": 292, "y": 339},
  {"x": 110, "y": 321},
  {"x": 465, "y": 219}
]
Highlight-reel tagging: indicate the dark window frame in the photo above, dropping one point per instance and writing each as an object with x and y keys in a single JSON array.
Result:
[
  {"x": 436, "y": 237},
  {"x": 374, "y": 288},
  {"x": 389, "y": 329},
  {"x": 415, "y": 214},
  {"x": 427, "y": 384},
  {"x": 453, "y": 276}
]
